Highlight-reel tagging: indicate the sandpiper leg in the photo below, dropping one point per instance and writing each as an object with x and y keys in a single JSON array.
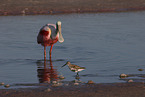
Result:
[{"x": 77, "y": 76}]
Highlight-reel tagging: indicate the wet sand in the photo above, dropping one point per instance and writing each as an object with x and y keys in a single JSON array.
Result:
[
  {"x": 87, "y": 90},
  {"x": 34, "y": 7}
]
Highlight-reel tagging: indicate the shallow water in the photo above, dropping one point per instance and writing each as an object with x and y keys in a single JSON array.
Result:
[{"x": 107, "y": 44}]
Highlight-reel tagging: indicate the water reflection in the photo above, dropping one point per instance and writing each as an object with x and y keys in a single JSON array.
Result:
[
  {"x": 48, "y": 74},
  {"x": 46, "y": 71}
]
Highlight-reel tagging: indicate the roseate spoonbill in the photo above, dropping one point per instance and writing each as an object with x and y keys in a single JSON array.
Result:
[
  {"x": 74, "y": 68},
  {"x": 48, "y": 35}
]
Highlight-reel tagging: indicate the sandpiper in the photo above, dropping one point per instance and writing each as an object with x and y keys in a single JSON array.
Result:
[{"x": 74, "y": 68}]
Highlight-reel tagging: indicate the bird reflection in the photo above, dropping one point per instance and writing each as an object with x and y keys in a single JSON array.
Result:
[{"x": 46, "y": 72}]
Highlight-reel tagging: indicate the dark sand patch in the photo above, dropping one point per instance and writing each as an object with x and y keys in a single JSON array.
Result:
[{"x": 92, "y": 90}]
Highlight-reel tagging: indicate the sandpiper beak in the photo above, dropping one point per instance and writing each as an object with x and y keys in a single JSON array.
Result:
[
  {"x": 63, "y": 65},
  {"x": 60, "y": 38}
]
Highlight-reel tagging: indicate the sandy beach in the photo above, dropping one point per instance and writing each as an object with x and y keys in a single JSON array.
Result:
[
  {"x": 88, "y": 90},
  {"x": 34, "y": 7}
]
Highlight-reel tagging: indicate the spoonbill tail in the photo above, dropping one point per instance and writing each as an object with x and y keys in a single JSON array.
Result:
[{"x": 48, "y": 35}]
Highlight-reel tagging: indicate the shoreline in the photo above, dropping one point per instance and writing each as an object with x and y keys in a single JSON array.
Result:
[
  {"x": 55, "y": 12},
  {"x": 48, "y": 7},
  {"x": 133, "y": 89}
]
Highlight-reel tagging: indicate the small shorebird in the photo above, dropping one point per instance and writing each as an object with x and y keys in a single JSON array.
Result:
[
  {"x": 48, "y": 35},
  {"x": 74, "y": 68}
]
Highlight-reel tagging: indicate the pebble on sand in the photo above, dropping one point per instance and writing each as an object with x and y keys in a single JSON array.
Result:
[
  {"x": 48, "y": 90},
  {"x": 2, "y": 83},
  {"x": 57, "y": 84},
  {"x": 90, "y": 82},
  {"x": 61, "y": 77},
  {"x": 7, "y": 86},
  {"x": 140, "y": 69},
  {"x": 130, "y": 80},
  {"x": 76, "y": 84},
  {"x": 123, "y": 75},
  {"x": 54, "y": 82}
]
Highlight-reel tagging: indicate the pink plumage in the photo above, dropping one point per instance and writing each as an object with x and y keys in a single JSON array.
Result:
[{"x": 48, "y": 35}]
